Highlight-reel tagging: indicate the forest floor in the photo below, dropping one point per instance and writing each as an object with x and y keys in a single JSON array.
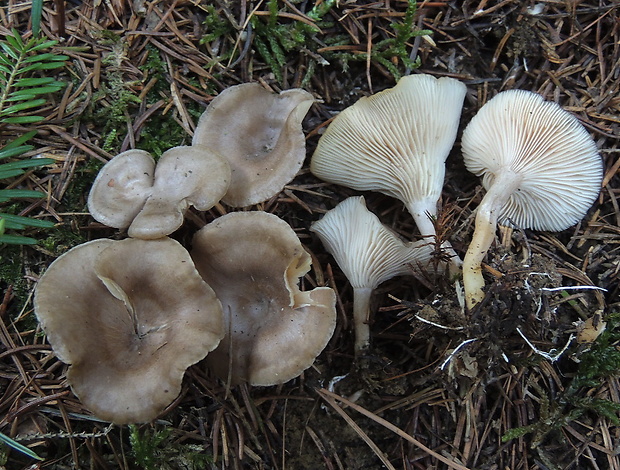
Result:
[{"x": 513, "y": 384}]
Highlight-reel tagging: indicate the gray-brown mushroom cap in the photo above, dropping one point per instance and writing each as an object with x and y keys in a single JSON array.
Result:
[
  {"x": 129, "y": 317},
  {"x": 185, "y": 176},
  {"x": 253, "y": 261},
  {"x": 121, "y": 187},
  {"x": 260, "y": 134},
  {"x": 132, "y": 192}
]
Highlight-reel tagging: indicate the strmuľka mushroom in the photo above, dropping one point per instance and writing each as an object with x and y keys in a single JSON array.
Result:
[
  {"x": 539, "y": 165},
  {"x": 129, "y": 317},
  {"x": 396, "y": 142},
  {"x": 368, "y": 253},
  {"x": 150, "y": 200},
  {"x": 274, "y": 331},
  {"x": 261, "y": 135}
]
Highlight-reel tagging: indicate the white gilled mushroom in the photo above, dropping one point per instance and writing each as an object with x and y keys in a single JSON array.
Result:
[
  {"x": 253, "y": 261},
  {"x": 368, "y": 253},
  {"x": 129, "y": 317},
  {"x": 260, "y": 134},
  {"x": 396, "y": 142},
  {"x": 130, "y": 191},
  {"x": 539, "y": 165}
]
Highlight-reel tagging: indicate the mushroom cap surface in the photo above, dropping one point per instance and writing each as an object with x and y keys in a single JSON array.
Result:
[
  {"x": 121, "y": 187},
  {"x": 395, "y": 141},
  {"x": 546, "y": 147},
  {"x": 260, "y": 134},
  {"x": 131, "y": 191},
  {"x": 185, "y": 176},
  {"x": 367, "y": 251},
  {"x": 129, "y": 317},
  {"x": 253, "y": 261}
]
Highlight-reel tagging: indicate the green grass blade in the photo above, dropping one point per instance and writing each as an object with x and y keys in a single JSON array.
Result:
[
  {"x": 22, "y": 119},
  {"x": 9, "y": 51},
  {"x": 30, "y": 93},
  {"x": 14, "y": 151},
  {"x": 8, "y": 194},
  {"x": 6, "y": 439},
  {"x": 43, "y": 45},
  {"x": 22, "y": 164},
  {"x": 48, "y": 56},
  {"x": 35, "y": 81},
  {"x": 19, "y": 240},
  {"x": 22, "y": 139},
  {"x": 42, "y": 66},
  {"x": 18, "y": 221},
  {"x": 22, "y": 106},
  {"x": 37, "y": 10},
  {"x": 10, "y": 173}
]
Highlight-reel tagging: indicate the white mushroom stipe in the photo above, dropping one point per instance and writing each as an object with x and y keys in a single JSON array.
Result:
[
  {"x": 396, "y": 142},
  {"x": 539, "y": 165},
  {"x": 368, "y": 253}
]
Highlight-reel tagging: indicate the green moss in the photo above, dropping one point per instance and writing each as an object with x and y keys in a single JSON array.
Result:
[
  {"x": 602, "y": 360},
  {"x": 62, "y": 239},
  {"x": 599, "y": 362},
  {"x": 215, "y": 25},
  {"x": 155, "y": 449},
  {"x": 12, "y": 270}
]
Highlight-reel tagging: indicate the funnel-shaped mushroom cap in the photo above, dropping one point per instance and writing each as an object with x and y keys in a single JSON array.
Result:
[
  {"x": 260, "y": 134},
  {"x": 395, "y": 142},
  {"x": 185, "y": 176},
  {"x": 121, "y": 187},
  {"x": 367, "y": 251},
  {"x": 130, "y": 191},
  {"x": 550, "y": 153},
  {"x": 129, "y": 317},
  {"x": 253, "y": 261}
]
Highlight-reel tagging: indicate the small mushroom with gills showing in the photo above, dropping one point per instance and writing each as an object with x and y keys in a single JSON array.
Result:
[
  {"x": 130, "y": 191},
  {"x": 396, "y": 142},
  {"x": 260, "y": 134},
  {"x": 368, "y": 253},
  {"x": 539, "y": 165},
  {"x": 274, "y": 331},
  {"x": 129, "y": 317}
]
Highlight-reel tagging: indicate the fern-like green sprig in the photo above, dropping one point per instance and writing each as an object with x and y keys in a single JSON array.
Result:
[{"x": 21, "y": 94}]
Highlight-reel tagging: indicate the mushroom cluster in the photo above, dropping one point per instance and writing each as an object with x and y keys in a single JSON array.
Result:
[
  {"x": 396, "y": 142},
  {"x": 132, "y": 192},
  {"x": 138, "y": 312},
  {"x": 130, "y": 316},
  {"x": 539, "y": 165}
]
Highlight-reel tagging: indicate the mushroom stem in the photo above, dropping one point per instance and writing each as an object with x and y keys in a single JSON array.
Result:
[
  {"x": 504, "y": 184},
  {"x": 423, "y": 213},
  {"x": 361, "y": 316}
]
